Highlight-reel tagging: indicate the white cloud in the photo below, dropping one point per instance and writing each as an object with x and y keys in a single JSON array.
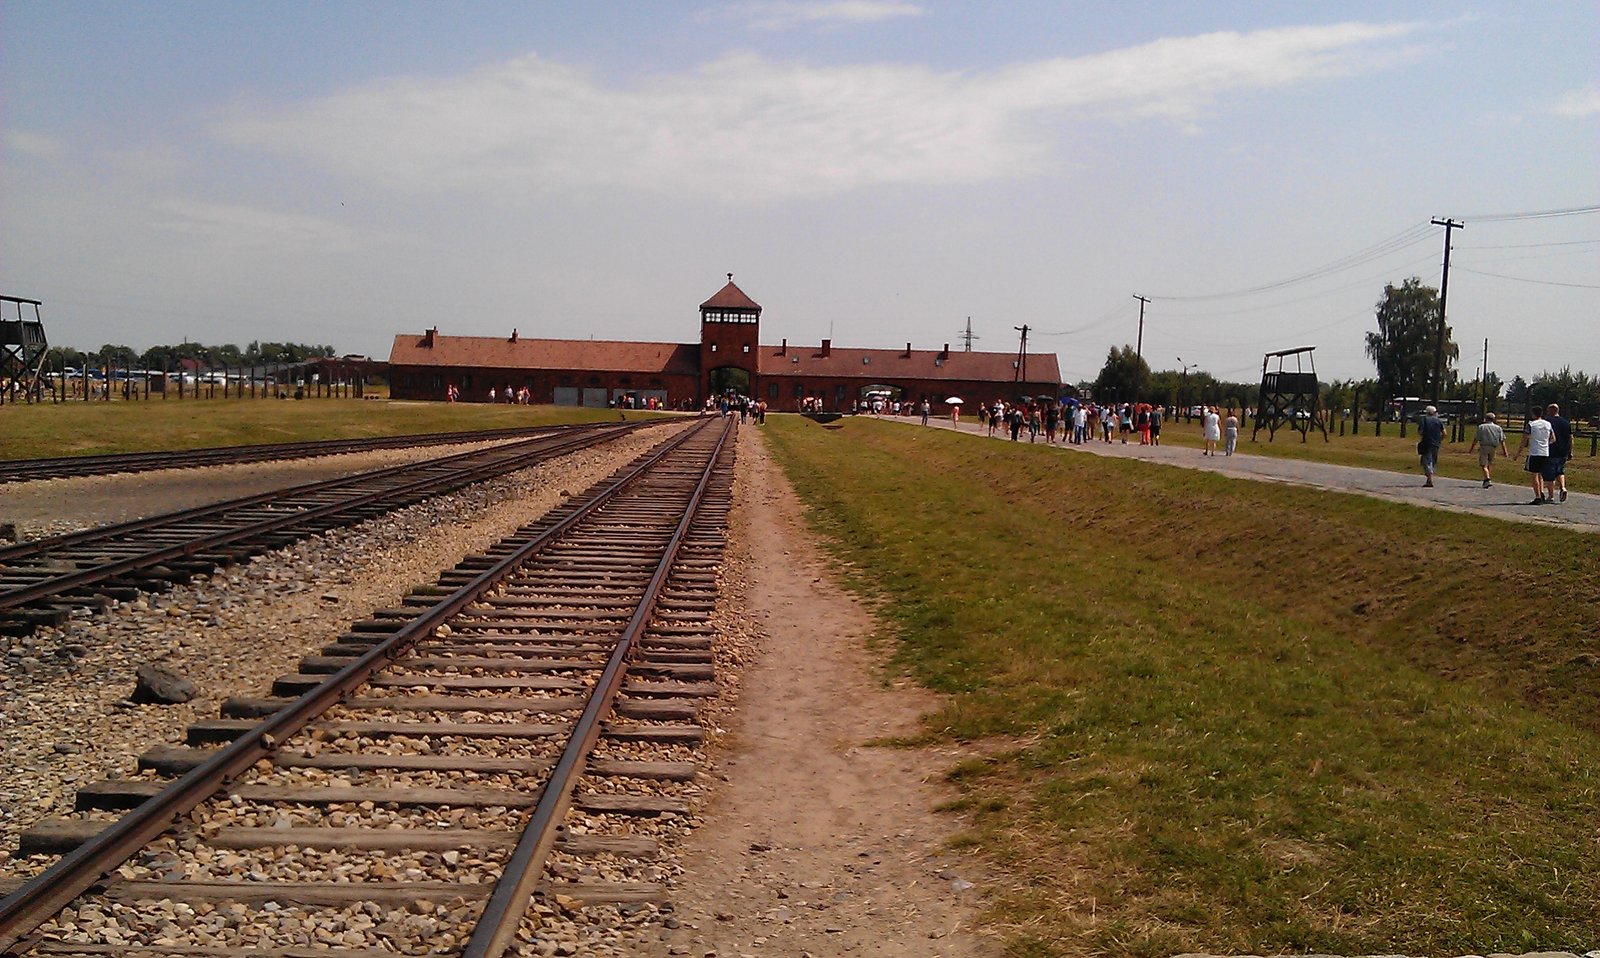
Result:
[
  {"x": 1585, "y": 102},
  {"x": 40, "y": 146},
  {"x": 787, "y": 14},
  {"x": 749, "y": 130}
]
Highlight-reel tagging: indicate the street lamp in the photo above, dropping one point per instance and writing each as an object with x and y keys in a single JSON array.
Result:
[{"x": 1183, "y": 388}]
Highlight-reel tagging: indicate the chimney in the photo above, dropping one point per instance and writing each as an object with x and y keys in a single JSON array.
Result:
[
  {"x": 784, "y": 349},
  {"x": 428, "y": 337},
  {"x": 513, "y": 334},
  {"x": 945, "y": 354},
  {"x": 908, "y": 350},
  {"x": 827, "y": 347}
]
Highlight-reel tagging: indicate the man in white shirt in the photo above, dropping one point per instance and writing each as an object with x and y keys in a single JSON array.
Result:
[{"x": 1536, "y": 439}]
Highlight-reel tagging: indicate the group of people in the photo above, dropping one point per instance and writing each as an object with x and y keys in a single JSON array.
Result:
[
  {"x": 736, "y": 404},
  {"x": 1078, "y": 423},
  {"x": 1546, "y": 439}
]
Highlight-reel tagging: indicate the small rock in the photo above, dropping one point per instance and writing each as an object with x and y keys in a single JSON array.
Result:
[{"x": 161, "y": 685}]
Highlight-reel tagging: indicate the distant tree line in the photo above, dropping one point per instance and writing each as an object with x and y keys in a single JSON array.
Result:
[{"x": 169, "y": 357}]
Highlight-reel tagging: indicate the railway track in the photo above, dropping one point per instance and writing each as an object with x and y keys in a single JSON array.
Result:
[
  {"x": 411, "y": 790},
  {"x": 59, "y": 467},
  {"x": 43, "y": 581}
]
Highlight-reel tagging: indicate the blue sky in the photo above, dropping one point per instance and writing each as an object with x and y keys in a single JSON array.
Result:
[{"x": 876, "y": 171}]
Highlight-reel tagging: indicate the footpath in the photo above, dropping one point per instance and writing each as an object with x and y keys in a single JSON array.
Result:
[{"x": 1509, "y": 498}]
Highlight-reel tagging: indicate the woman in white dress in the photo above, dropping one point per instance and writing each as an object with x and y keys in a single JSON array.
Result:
[{"x": 1213, "y": 431}]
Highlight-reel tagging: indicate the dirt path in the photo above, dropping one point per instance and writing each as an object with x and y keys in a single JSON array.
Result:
[{"x": 816, "y": 842}]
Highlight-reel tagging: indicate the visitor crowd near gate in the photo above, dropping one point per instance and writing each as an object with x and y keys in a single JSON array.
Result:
[
  {"x": 1546, "y": 437},
  {"x": 1071, "y": 422}
]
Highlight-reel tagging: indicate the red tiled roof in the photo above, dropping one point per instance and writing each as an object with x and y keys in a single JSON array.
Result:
[
  {"x": 495, "y": 352},
  {"x": 731, "y": 297},
  {"x": 870, "y": 364}
]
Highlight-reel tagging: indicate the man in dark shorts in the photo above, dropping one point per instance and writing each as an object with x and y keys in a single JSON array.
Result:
[
  {"x": 1536, "y": 438},
  {"x": 1555, "y": 469}
]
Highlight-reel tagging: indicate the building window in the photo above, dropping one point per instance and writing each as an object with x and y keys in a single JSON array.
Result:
[
  {"x": 747, "y": 347},
  {"x": 713, "y": 347},
  {"x": 772, "y": 391}
]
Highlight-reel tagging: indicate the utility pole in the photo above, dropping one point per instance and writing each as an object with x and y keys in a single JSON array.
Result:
[
  {"x": 1138, "y": 350},
  {"x": 1444, "y": 295},
  {"x": 1022, "y": 354},
  {"x": 1483, "y": 381}
]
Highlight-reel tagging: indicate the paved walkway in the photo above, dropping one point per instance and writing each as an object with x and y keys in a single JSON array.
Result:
[{"x": 1508, "y": 498}]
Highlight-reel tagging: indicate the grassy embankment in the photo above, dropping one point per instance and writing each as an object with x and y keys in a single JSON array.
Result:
[
  {"x": 91, "y": 428},
  {"x": 1233, "y": 716},
  {"x": 1389, "y": 451}
]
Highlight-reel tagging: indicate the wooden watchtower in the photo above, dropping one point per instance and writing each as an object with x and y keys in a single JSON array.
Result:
[
  {"x": 1290, "y": 398},
  {"x": 23, "y": 346}
]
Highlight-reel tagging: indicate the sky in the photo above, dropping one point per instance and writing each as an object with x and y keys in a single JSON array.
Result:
[{"x": 871, "y": 171}]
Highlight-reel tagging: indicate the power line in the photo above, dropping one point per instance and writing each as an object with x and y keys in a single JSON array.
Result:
[
  {"x": 1532, "y": 215},
  {"x": 1106, "y": 317},
  {"x": 1524, "y": 279},
  {"x": 1588, "y": 242},
  {"x": 1402, "y": 240},
  {"x": 1317, "y": 295}
]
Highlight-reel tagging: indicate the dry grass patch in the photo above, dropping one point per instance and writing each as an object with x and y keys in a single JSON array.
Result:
[
  {"x": 1251, "y": 717},
  {"x": 92, "y": 428}
]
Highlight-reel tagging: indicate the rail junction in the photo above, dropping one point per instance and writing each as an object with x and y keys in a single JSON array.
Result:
[
  {"x": 44, "y": 580},
  {"x": 62, "y": 467},
  {"x": 458, "y": 756}
]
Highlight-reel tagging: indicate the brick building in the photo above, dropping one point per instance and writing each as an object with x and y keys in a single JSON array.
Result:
[{"x": 729, "y": 356}]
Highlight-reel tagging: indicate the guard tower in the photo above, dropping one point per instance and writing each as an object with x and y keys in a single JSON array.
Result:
[
  {"x": 22, "y": 346},
  {"x": 730, "y": 326},
  {"x": 1290, "y": 398}
]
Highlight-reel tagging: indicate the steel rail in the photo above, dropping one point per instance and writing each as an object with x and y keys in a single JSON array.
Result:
[
  {"x": 35, "y": 547},
  {"x": 43, "y": 896},
  {"x": 23, "y": 470},
  {"x": 19, "y": 597},
  {"x": 498, "y": 922}
]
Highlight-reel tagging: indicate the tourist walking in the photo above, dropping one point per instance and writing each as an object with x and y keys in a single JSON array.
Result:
[
  {"x": 1155, "y": 426},
  {"x": 924, "y": 407},
  {"x": 1230, "y": 433},
  {"x": 1489, "y": 440},
  {"x": 1430, "y": 437},
  {"x": 1536, "y": 436},
  {"x": 1210, "y": 431},
  {"x": 1555, "y": 471}
]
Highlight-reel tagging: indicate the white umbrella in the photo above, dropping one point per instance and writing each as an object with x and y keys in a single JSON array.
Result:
[{"x": 955, "y": 400}]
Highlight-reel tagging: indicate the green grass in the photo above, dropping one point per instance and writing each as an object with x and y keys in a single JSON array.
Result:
[
  {"x": 1390, "y": 452},
  {"x": 94, "y": 428},
  {"x": 1233, "y": 716}
]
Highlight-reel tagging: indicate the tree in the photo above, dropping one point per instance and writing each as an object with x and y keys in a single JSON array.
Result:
[
  {"x": 1123, "y": 377},
  {"x": 1403, "y": 347},
  {"x": 114, "y": 355},
  {"x": 1578, "y": 394}
]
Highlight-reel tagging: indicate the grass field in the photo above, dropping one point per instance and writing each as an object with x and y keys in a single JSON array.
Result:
[
  {"x": 1223, "y": 718},
  {"x": 90, "y": 428},
  {"x": 1389, "y": 451}
]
